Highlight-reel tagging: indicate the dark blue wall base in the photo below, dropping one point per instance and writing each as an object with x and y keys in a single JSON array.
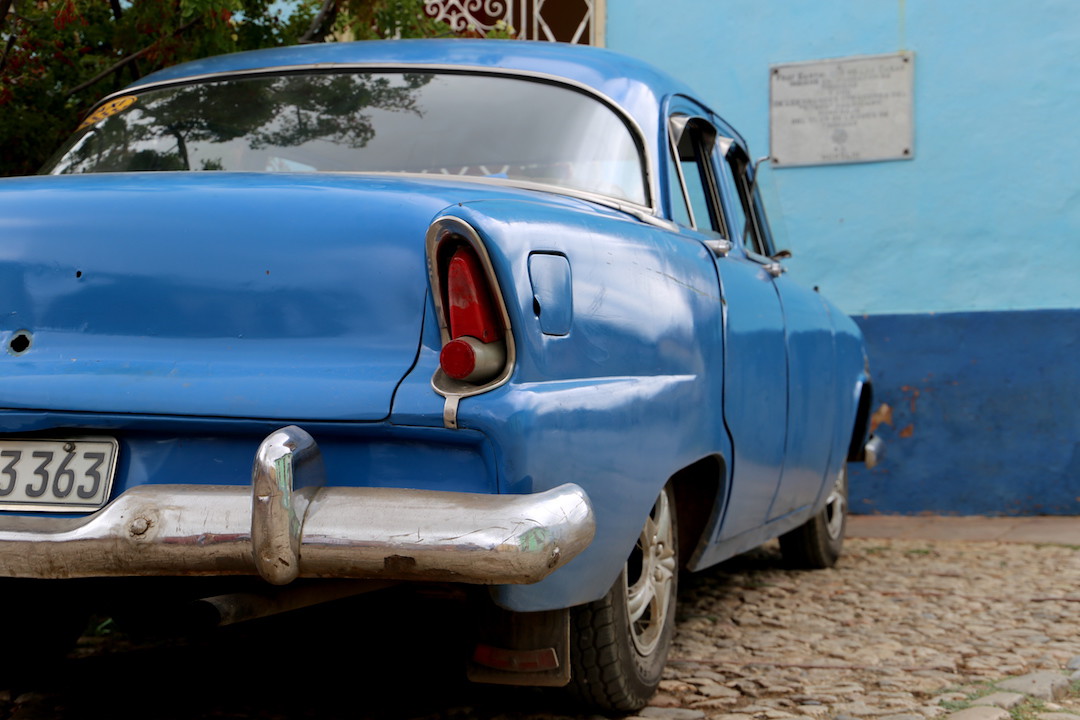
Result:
[{"x": 985, "y": 414}]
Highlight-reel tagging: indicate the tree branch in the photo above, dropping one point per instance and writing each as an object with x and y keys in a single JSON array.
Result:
[
  {"x": 5, "y": 8},
  {"x": 322, "y": 22},
  {"x": 116, "y": 10},
  {"x": 129, "y": 59},
  {"x": 7, "y": 51}
]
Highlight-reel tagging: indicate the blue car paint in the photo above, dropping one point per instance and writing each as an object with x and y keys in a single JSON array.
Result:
[
  {"x": 635, "y": 364},
  {"x": 811, "y": 410},
  {"x": 661, "y": 355},
  {"x": 553, "y": 301},
  {"x": 193, "y": 293},
  {"x": 755, "y": 389},
  {"x": 170, "y": 450}
]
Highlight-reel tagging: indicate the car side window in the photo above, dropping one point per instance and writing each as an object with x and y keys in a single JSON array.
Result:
[
  {"x": 736, "y": 210},
  {"x": 680, "y": 210},
  {"x": 693, "y": 188},
  {"x": 747, "y": 216},
  {"x": 761, "y": 221}
]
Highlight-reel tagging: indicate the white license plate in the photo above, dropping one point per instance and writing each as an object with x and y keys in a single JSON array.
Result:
[{"x": 56, "y": 475}]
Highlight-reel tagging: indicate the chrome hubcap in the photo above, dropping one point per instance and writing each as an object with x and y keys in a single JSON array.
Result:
[
  {"x": 836, "y": 506},
  {"x": 650, "y": 574}
]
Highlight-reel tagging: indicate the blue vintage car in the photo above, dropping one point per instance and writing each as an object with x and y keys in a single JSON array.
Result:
[{"x": 473, "y": 312}]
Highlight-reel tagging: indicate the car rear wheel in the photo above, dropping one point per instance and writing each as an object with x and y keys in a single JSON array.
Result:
[
  {"x": 619, "y": 643},
  {"x": 816, "y": 544}
]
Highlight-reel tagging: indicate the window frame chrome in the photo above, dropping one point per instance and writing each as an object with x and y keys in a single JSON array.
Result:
[
  {"x": 677, "y": 125},
  {"x": 738, "y": 160}
]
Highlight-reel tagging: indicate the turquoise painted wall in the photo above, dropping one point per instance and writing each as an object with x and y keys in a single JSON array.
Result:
[
  {"x": 987, "y": 215},
  {"x": 961, "y": 266}
]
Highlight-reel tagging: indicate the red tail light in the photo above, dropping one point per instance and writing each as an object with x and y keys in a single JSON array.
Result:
[
  {"x": 476, "y": 352},
  {"x": 471, "y": 311}
]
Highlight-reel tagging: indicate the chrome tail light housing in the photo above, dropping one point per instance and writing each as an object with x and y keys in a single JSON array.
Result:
[{"x": 477, "y": 352}]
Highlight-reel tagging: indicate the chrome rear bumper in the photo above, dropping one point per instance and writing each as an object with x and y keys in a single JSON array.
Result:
[{"x": 286, "y": 525}]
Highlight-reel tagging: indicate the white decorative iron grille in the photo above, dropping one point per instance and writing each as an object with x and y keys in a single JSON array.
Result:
[{"x": 571, "y": 21}]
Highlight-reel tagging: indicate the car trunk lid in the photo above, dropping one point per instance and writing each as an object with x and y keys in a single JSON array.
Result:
[{"x": 212, "y": 294}]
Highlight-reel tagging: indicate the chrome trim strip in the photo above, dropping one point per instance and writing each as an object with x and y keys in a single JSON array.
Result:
[
  {"x": 346, "y": 532},
  {"x": 651, "y": 174},
  {"x": 641, "y": 212},
  {"x": 450, "y": 407},
  {"x": 677, "y": 126}
]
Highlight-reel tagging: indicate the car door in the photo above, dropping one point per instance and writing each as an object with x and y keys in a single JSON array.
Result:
[
  {"x": 755, "y": 366},
  {"x": 811, "y": 354}
]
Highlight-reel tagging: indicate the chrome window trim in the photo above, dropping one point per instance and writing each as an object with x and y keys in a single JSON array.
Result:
[
  {"x": 738, "y": 161},
  {"x": 678, "y": 124},
  {"x": 636, "y": 132},
  {"x": 641, "y": 212}
]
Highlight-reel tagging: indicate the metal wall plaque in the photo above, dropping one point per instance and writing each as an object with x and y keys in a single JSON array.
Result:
[{"x": 847, "y": 110}]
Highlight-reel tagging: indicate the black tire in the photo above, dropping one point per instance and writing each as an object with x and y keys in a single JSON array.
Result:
[
  {"x": 616, "y": 659},
  {"x": 817, "y": 544}
]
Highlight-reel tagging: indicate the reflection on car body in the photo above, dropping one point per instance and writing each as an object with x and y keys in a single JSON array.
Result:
[{"x": 487, "y": 313}]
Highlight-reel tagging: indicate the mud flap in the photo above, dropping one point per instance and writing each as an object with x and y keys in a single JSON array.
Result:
[{"x": 522, "y": 648}]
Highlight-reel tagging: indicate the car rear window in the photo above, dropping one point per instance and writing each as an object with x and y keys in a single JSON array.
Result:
[{"x": 471, "y": 125}]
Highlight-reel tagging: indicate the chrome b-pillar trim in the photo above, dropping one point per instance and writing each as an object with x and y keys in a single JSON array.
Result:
[{"x": 286, "y": 458}]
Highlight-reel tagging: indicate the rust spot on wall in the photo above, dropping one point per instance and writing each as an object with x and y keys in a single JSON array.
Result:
[
  {"x": 908, "y": 431},
  {"x": 914, "y": 392},
  {"x": 881, "y": 416}
]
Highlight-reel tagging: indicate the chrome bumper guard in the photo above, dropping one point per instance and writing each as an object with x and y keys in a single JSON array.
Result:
[{"x": 286, "y": 525}]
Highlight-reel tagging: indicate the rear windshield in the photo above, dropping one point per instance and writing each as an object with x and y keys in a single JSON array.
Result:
[{"x": 436, "y": 123}]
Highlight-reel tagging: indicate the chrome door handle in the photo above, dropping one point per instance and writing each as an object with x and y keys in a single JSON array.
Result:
[
  {"x": 775, "y": 269},
  {"x": 720, "y": 248}
]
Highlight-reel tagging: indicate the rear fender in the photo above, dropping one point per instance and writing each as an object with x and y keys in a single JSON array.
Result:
[
  {"x": 628, "y": 396},
  {"x": 864, "y": 392}
]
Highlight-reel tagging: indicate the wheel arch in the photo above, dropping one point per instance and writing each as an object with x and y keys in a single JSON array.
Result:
[
  {"x": 700, "y": 491},
  {"x": 861, "y": 428}
]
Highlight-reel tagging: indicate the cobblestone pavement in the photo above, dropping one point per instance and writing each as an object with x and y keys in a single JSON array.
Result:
[{"x": 900, "y": 630}]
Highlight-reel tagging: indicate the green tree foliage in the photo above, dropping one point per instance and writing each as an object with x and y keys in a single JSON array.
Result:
[
  {"x": 368, "y": 20},
  {"x": 58, "y": 57}
]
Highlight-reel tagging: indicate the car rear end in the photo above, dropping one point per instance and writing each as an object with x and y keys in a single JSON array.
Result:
[{"x": 166, "y": 338}]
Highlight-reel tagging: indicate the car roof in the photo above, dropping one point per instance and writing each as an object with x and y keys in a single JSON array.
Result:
[{"x": 634, "y": 85}]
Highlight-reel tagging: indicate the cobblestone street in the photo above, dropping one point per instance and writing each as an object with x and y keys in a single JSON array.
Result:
[
  {"x": 901, "y": 627},
  {"x": 900, "y": 630}
]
